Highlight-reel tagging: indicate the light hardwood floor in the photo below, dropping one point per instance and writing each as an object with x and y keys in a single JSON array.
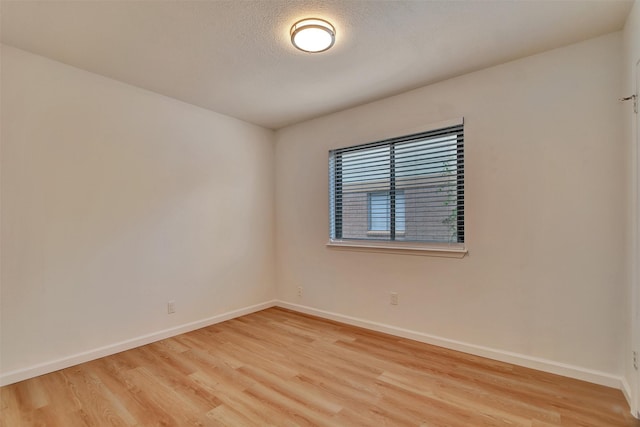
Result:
[{"x": 277, "y": 367}]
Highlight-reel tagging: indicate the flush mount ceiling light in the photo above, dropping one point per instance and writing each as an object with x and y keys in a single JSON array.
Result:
[{"x": 313, "y": 35}]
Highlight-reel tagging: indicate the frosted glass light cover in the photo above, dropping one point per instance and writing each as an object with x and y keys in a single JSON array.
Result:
[{"x": 313, "y": 35}]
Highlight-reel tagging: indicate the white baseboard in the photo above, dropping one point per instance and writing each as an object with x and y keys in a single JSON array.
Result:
[
  {"x": 540, "y": 364},
  {"x": 75, "y": 359},
  {"x": 626, "y": 390}
]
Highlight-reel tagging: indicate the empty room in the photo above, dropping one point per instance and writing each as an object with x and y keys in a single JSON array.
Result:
[{"x": 319, "y": 213}]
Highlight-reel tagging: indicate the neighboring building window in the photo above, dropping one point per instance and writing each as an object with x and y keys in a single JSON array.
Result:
[
  {"x": 379, "y": 211},
  {"x": 407, "y": 189}
]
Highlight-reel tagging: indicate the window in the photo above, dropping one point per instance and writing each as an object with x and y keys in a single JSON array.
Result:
[
  {"x": 405, "y": 189},
  {"x": 378, "y": 209}
]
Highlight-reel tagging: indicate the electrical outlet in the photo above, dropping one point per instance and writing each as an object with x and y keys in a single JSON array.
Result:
[
  {"x": 393, "y": 298},
  {"x": 171, "y": 307},
  {"x": 299, "y": 291},
  {"x": 635, "y": 360}
]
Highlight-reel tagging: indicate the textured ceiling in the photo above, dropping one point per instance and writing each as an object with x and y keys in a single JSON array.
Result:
[{"x": 234, "y": 57}]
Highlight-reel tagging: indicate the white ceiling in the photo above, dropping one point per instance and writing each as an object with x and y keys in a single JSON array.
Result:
[{"x": 235, "y": 57}]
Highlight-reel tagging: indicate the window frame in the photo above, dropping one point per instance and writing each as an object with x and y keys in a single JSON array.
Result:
[{"x": 457, "y": 249}]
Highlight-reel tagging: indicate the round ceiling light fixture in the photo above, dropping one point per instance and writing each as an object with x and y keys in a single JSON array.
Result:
[{"x": 313, "y": 35}]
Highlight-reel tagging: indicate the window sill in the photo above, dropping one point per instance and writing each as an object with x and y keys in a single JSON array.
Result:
[{"x": 433, "y": 249}]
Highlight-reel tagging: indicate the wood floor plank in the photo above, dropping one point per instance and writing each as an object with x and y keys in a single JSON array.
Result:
[{"x": 281, "y": 368}]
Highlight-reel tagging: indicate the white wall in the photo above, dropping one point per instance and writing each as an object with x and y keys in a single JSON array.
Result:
[
  {"x": 116, "y": 200},
  {"x": 545, "y": 213},
  {"x": 631, "y": 55}
]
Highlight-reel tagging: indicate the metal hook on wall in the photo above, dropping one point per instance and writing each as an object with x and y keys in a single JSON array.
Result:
[{"x": 633, "y": 98}]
